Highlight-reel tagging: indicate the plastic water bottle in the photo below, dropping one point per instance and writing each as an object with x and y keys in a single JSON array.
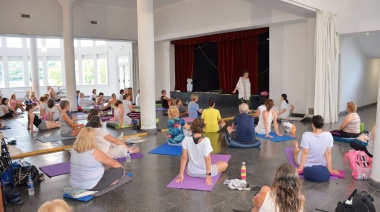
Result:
[
  {"x": 44, "y": 117},
  {"x": 128, "y": 157},
  {"x": 294, "y": 129},
  {"x": 121, "y": 136},
  {"x": 30, "y": 186},
  {"x": 243, "y": 172}
]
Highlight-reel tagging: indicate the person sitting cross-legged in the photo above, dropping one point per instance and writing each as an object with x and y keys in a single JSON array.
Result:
[
  {"x": 196, "y": 150},
  {"x": 177, "y": 127},
  {"x": 243, "y": 126}
]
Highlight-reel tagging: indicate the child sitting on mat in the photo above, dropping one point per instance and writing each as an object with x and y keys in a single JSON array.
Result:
[
  {"x": 111, "y": 146},
  {"x": 182, "y": 109},
  {"x": 196, "y": 150},
  {"x": 265, "y": 120},
  {"x": 212, "y": 118},
  {"x": 165, "y": 101},
  {"x": 315, "y": 155},
  {"x": 284, "y": 195},
  {"x": 68, "y": 126},
  {"x": 193, "y": 107},
  {"x": 177, "y": 127},
  {"x": 54, "y": 111},
  {"x": 40, "y": 124}
]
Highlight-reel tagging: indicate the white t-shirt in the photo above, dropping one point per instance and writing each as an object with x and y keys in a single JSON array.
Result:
[
  {"x": 55, "y": 112},
  {"x": 197, "y": 154},
  {"x": 103, "y": 144},
  {"x": 286, "y": 106},
  {"x": 262, "y": 108},
  {"x": 84, "y": 102},
  {"x": 43, "y": 105},
  {"x": 317, "y": 145},
  {"x": 126, "y": 104},
  {"x": 93, "y": 96},
  {"x": 138, "y": 100},
  {"x": 1, "y": 110},
  {"x": 120, "y": 97}
]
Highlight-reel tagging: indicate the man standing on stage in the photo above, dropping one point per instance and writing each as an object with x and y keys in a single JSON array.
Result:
[{"x": 244, "y": 88}]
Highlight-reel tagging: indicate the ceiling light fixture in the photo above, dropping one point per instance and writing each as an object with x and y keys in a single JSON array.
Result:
[{"x": 367, "y": 33}]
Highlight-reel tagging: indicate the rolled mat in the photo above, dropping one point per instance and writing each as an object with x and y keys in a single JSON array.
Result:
[{"x": 194, "y": 183}]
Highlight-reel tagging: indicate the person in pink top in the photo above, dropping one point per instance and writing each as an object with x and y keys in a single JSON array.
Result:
[{"x": 14, "y": 104}]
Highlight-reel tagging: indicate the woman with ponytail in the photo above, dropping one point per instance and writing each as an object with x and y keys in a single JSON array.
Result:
[
  {"x": 285, "y": 107},
  {"x": 285, "y": 194}
]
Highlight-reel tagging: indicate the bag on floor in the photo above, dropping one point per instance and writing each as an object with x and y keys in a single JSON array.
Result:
[
  {"x": 22, "y": 171},
  {"x": 360, "y": 163},
  {"x": 357, "y": 202}
]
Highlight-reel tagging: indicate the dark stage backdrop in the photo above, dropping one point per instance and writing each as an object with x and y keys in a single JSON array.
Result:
[
  {"x": 205, "y": 73},
  {"x": 263, "y": 53}
]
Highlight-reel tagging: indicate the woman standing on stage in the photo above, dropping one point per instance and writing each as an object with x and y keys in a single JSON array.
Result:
[{"x": 244, "y": 88}]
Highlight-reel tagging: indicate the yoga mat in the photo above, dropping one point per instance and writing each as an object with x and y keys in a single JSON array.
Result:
[
  {"x": 199, "y": 183},
  {"x": 290, "y": 156},
  {"x": 161, "y": 109},
  {"x": 51, "y": 138},
  {"x": 276, "y": 138},
  {"x": 64, "y": 168},
  {"x": 82, "y": 199},
  {"x": 116, "y": 126},
  {"x": 294, "y": 118},
  {"x": 166, "y": 149},
  {"x": 5, "y": 128},
  {"x": 348, "y": 140},
  {"x": 78, "y": 114},
  {"x": 188, "y": 119}
]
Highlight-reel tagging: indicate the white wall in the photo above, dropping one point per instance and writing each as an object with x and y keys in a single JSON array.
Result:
[
  {"x": 46, "y": 20},
  {"x": 291, "y": 63},
  {"x": 358, "y": 75}
]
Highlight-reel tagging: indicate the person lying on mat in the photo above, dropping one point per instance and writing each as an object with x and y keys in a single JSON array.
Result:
[
  {"x": 165, "y": 101},
  {"x": 243, "y": 126},
  {"x": 83, "y": 103},
  {"x": 120, "y": 117},
  {"x": 68, "y": 126},
  {"x": 182, "y": 109},
  {"x": 54, "y": 111},
  {"x": 111, "y": 146},
  {"x": 194, "y": 110},
  {"x": 196, "y": 150},
  {"x": 177, "y": 127},
  {"x": 40, "y": 124},
  {"x": 284, "y": 195},
  {"x": 111, "y": 103},
  {"x": 265, "y": 120},
  {"x": 87, "y": 164},
  {"x": 315, "y": 148},
  {"x": 350, "y": 127},
  {"x": 367, "y": 149},
  {"x": 212, "y": 118}
]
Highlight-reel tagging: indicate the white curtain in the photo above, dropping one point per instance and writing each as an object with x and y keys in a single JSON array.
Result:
[
  {"x": 135, "y": 70},
  {"x": 327, "y": 67}
]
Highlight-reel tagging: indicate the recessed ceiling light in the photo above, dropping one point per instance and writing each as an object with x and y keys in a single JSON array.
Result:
[{"x": 367, "y": 33}]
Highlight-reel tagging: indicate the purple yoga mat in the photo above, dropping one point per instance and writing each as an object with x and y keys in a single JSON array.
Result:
[
  {"x": 64, "y": 168},
  {"x": 188, "y": 119},
  {"x": 161, "y": 109},
  {"x": 290, "y": 156},
  {"x": 199, "y": 183}
]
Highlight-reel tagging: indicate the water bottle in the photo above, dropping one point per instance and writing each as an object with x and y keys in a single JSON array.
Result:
[
  {"x": 294, "y": 129},
  {"x": 121, "y": 137},
  {"x": 30, "y": 186},
  {"x": 44, "y": 117},
  {"x": 243, "y": 172},
  {"x": 128, "y": 157}
]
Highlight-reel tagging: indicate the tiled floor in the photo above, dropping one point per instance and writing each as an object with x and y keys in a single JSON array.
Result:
[{"x": 148, "y": 192}]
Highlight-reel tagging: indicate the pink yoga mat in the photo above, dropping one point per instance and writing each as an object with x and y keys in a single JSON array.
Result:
[
  {"x": 199, "y": 183},
  {"x": 290, "y": 155}
]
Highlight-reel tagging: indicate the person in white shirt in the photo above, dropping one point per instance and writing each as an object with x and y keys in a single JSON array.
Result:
[
  {"x": 196, "y": 150},
  {"x": 84, "y": 102},
  {"x": 121, "y": 94},
  {"x": 285, "y": 107},
  {"x": 244, "y": 88},
  {"x": 93, "y": 95},
  {"x": 138, "y": 99}
]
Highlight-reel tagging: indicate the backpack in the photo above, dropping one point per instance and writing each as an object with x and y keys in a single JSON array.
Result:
[
  {"x": 356, "y": 202},
  {"x": 360, "y": 163}
]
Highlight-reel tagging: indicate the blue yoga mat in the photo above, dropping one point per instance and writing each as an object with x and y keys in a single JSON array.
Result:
[
  {"x": 82, "y": 199},
  {"x": 5, "y": 128},
  {"x": 348, "y": 140},
  {"x": 166, "y": 149},
  {"x": 276, "y": 138}
]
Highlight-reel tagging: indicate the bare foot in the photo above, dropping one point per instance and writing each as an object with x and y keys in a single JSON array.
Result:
[
  {"x": 295, "y": 144},
  {"x": 135, "y": 150}
]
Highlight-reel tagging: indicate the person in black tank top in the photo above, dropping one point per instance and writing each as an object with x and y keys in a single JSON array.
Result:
[
  {"x": 40, "y": 124},
  {"x": 165, "y": 101}
]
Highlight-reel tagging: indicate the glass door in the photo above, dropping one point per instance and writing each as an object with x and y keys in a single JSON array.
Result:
[{"x": 124, "y": 72}]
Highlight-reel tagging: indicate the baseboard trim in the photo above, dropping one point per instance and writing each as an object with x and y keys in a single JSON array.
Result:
[{"x": 359, "y": 108}]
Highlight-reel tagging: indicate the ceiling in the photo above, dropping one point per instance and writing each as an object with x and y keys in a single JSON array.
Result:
[
  {"x": 130, "y": 3},
  {"x": 370, "y": 44}
]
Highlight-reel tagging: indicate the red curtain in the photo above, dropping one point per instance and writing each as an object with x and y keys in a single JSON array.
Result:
[
  {"x": 236, "y": 57},
  {"x": 184, "y": 64}
]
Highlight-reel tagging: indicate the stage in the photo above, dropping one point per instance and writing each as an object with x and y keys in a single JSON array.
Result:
[{"x": 221, "y": 100}]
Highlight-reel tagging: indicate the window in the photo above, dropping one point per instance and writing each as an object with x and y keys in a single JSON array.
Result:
[
  {"x": 16, "y": 74},
  {"x": 86, "y": 43},
  {"x": 102, "y": 71},
  {"x": 100, "y": 43},
  {"x": 76, "y": 73},
  {"x": 1, "y": 42},
  {"x": 88, "y": 71},
  {"x": 1, "y": 75},
  {"x": 75, "y": 43},
  {"x": 14, "y": 42},
  {"x": 53, "y": 43},
  {"x": 54, "y": 72},
  {"x": 38, "y": 43},
  {"x": 40, "y": 73}
]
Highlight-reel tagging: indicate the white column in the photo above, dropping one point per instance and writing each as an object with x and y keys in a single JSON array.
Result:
[
  {"x": 68, "y": 45},
  {"x": 146, "y": 63},
  {"x": 26, "y": 71},
  {"x": 34, "y": 66},
  {"x": 374, "y": 180},
  {"x": 162, "y": 55}
]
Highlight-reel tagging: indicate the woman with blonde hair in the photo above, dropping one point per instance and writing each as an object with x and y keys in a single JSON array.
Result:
[
  {"x": 87, "y": 164},
  {"x": 14, "y": 104},
  {"x": 33, "y": 98},
  {"x": 285, "y": 194},
  {"x": 56, "y": 205},
  {"x": 193, "y": 107},
  {"x": 111, "y": 102},
  {"x": 176, "y": 127},
  {"x": 350, "y": 128}
]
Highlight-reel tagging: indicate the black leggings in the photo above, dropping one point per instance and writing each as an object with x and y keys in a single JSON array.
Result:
[
  {"x": 344, "y": 134},
  {"x": 8, "y": 115},
  {"x": 359, "y": 147},
  {"x": 109, "y": 176}
]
